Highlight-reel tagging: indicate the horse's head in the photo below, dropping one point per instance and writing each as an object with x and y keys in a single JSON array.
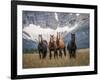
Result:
[
  {"x": 52, "y": 43},
  {"x": 73, "y": 36},
  {"x": 40, "y": 37},
  {"x": 51, "y": 38}
]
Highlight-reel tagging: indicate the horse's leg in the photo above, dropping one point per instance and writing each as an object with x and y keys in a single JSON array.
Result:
[
  {"x": 43, "y": 55},
  {"x": 71, "y": 53},
  {"x": 39, "y": 54},
  {"x": 55, "y": 53},
  {"x": 64, "y": 50},
  {"x": 50, "y": 54},
  {"x": 74, "y": 53},
  {"x": 60, "y": 52},
  {"x": 44, "y": 51}
]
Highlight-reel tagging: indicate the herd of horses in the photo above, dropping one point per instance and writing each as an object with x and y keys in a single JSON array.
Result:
[{"x": 56, "y": 46}]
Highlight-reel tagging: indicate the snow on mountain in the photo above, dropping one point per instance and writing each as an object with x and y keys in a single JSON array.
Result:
[
  {"x": 34, "y": 31},
  {"x": 49, "y": 23}
]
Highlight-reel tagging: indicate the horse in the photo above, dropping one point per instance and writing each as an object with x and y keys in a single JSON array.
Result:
[
  {"x": 42, "y": 47},
  {"x": 52, "y": 46},
  {"x": 60, "y": 44},
  {"x": 71, "y": 47}
]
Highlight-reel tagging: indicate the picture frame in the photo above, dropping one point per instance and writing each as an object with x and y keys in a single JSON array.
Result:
[{"x": 28, "y": 8}]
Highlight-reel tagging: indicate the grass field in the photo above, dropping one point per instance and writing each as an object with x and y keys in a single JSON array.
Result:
[{"x": 32, "y": 60}]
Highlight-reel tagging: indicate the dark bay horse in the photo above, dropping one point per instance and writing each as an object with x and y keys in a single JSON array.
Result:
[
  {"x": 42, "y": 47},
  {"x": 71, "y": 47},
  {"x": 52, "y": 46}
]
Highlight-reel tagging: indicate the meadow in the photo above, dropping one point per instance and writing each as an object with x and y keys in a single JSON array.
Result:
[{"x": 32, "y": 60}]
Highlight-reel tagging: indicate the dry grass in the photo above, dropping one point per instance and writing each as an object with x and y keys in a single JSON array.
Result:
[{"x": 31, "y": 60}]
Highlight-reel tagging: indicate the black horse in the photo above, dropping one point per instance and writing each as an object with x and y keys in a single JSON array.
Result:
[
  {"x": 42, "y": 47},
  {"x": 72, "y": 47}
]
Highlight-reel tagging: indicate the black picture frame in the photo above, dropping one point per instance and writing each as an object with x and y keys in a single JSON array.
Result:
[{"x": 14, "y": 4}]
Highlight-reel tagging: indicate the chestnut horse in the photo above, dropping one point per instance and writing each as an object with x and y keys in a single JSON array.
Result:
[{"x": 60, "y": 44}]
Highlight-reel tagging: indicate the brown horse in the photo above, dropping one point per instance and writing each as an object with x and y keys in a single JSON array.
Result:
[
  {"x": 60, "y": 44},
  {"x": 52, "y": 46}
]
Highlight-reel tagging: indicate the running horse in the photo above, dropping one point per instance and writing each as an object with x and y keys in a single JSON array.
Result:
[
  {"x": 42, "y": 47},
  {"x": 52, "y": 46},
  {"x": 60, "y": 45},
  {"x": 72, "y": 46}
]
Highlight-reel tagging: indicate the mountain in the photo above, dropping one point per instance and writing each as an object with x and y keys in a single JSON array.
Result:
[
  {"x": 49, "y": 23},
  {"x": 29, "y": 45},
  {"x": 82, "y": 36}
]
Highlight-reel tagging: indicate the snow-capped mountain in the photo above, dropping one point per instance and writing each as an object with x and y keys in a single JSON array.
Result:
[{"x": 46, "y": 23}]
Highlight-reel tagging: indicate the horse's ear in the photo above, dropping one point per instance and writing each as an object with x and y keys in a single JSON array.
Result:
[{"x": 39, "y": 35}]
